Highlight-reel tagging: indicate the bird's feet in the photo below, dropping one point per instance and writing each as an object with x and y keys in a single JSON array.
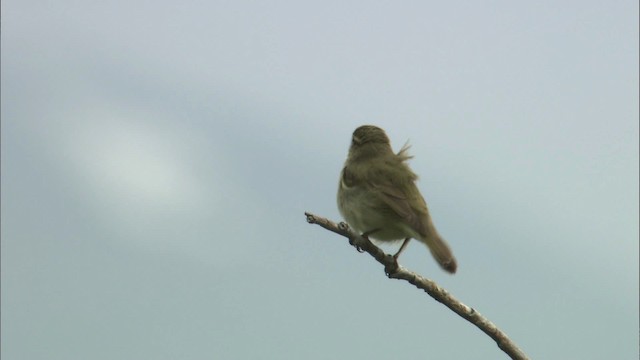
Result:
[{"x": 404, "y": 245}]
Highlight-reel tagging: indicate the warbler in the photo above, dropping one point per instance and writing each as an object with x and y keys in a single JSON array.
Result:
[{"x": 378, "y": 196}]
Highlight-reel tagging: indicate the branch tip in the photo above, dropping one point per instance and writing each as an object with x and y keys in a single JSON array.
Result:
[{"x": 310, "y": 218}]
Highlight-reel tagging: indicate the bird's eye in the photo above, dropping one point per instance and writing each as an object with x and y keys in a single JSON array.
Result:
[{"x": 356, "y": 140}]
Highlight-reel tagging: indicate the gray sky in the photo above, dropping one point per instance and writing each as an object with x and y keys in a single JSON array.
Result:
[{"x": 157, "y": 159}]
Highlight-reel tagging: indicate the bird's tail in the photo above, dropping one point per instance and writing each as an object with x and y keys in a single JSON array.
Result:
[{"x": 441, "y": 252}]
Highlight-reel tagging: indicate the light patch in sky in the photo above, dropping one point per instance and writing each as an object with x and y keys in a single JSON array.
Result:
[{"x": 127, "y": 156}]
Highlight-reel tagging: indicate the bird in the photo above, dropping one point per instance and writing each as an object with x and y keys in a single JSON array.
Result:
[{"x": 378, "y": 197}]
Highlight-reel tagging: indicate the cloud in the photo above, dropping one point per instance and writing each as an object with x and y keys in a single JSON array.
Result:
[{"x": 122, "y": 155}]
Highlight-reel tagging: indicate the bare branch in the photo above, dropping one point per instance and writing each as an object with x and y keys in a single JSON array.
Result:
[{"x": 394, "y": 271}]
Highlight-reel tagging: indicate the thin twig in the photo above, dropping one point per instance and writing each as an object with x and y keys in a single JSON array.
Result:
[{"x": 394, "y": 271}]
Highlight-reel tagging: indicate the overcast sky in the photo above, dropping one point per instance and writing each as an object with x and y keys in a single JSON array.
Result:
[{"x": 157, "y": 159}]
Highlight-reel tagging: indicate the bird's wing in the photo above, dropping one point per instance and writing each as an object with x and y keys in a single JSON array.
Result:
[
  {"x": 348, "y": 178},
  {"x": 399, "y": 193}
]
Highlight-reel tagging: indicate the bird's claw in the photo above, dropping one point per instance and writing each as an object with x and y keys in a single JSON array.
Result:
[
  {"x": 391, "y": 265},
  {"x": 352, "y": 242}
]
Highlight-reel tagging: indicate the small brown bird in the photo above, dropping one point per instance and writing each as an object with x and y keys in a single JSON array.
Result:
[{"x": 378, "y": 197}]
